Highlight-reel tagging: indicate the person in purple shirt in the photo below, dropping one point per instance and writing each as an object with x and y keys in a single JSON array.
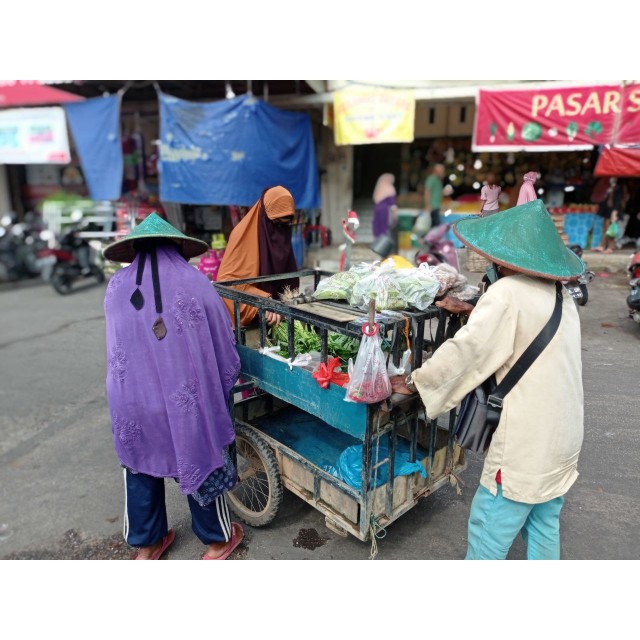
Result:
[
  {"x": 171, "y": 365},
  {"x": 385, "y": 205}
]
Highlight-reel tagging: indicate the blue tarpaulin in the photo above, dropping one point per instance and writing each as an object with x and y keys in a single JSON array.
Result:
[
  {"x": 228, "y": 152},
  {"x": 96, "y": 132}
]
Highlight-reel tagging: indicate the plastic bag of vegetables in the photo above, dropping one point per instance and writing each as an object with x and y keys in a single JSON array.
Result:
[
  {"x": 340, "y": 285},
  {"x": 381, "y": 283},
  {"x": 396, "y": 289},
  {"x": 418, "y": 288}
]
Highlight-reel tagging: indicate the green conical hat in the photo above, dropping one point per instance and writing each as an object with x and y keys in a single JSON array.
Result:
[
  {"x": 524, "y": 239},
  {"x": 153, "y": 226}
]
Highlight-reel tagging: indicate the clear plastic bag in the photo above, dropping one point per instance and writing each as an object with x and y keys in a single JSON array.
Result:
[
  {"x": 403, "y": 368},
  {"x": 383, "y": 284},
  {"x": 340, "y": 285},
  {"x": 369, "y": 380},
  {"x": 396, "y": 289}
]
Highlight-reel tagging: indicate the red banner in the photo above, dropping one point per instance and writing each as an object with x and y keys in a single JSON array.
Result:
[
  {"x": 557, "y": 119},
  {"x": 623, "y": 162}
]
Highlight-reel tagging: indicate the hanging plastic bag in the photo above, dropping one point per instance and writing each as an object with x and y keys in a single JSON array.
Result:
[
  {"x": 369, "y": 381},
  {"x": 612, "y": 231},
  {"x": 403, "y": 368}
]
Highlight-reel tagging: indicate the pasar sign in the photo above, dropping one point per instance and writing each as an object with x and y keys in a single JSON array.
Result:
[{"x": 557, "y": 119}]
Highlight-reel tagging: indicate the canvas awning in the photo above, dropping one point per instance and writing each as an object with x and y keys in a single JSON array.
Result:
[
  {"x": 25, "y": 93},
  {"x": 622, "y": 162}
]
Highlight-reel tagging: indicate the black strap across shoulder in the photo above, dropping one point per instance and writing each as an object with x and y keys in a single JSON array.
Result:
[{"x": 529, "y": 356}]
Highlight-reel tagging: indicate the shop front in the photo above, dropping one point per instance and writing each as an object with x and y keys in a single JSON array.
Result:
[
  {"x": 556, "y": 132},
  {"x": 119, "y": 135}
]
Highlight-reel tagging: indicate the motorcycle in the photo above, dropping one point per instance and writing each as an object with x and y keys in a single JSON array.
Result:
[
  {"x": 578, "y": 287},
  {"x": 19, "y": 247},
  {"x": 436, "y": 248},
  {"x": 74, "y": 259},
  {"x": 633, "y": 299}
]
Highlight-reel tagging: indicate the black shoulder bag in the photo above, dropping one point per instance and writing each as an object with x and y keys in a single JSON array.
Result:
[{"x": 480, "y": 410}]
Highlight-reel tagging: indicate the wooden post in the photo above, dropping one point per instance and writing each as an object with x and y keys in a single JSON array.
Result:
[{"x": 372, "y": 312}]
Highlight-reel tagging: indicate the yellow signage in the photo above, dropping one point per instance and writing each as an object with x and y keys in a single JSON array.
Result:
[{"x": 367, "y": 115}]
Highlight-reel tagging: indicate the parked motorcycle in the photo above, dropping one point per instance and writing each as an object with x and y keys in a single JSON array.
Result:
[
  {"x": 633, "y": 299},
  {"x": 578, "y": 287},
  {"x": 74, "y": 260},
  {"x": 436, "y": 248},
  {"x": 20, "y": 243}
]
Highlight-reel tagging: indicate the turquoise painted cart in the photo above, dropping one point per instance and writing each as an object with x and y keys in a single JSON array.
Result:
[{"x": 291, "y": 432}]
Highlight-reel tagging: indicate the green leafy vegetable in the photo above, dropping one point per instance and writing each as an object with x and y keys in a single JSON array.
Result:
[{"x": 306, "y": 340}]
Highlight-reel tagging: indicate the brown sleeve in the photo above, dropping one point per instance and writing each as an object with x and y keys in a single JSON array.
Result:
[{"x": 247, "y": 312}]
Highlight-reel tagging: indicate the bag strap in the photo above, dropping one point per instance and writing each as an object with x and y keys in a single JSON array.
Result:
[{"x": 529, "y": 356}]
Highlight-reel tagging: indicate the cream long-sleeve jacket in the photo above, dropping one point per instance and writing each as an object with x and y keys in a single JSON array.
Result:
[{"x": 538, "y": 439}]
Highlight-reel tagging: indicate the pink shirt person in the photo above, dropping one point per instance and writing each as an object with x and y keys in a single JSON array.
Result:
[{"x": 490, "y": 194}]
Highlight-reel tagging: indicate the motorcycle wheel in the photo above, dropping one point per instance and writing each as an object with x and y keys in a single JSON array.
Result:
[
  {"x": 585, "y": 295},
  {"x": 98, "y": 273},
  {"x": 60, "y": 280}
]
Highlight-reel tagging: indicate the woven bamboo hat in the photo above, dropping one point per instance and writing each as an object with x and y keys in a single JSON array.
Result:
[
  {"x": 154, "y": 227},
  {"x": 524, "y": 239}
]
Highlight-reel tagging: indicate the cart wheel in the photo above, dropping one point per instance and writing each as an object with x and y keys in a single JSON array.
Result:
[{"x": 258, "y": 494}]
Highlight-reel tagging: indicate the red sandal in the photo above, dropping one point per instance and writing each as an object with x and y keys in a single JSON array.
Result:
[
  {"x": 236, "y": 538},
  {"x": 166, "y": 543}
]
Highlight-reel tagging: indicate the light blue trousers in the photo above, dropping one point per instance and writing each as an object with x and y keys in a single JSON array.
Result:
[{"x": 495, "y": 521}]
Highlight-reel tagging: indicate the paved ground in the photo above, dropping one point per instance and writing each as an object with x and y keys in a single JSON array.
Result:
[{"x": 61, "y": 486}]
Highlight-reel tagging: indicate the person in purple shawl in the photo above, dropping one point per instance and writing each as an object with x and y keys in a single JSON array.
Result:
[
  {"x": 385, "y": 205},
  {"x": 172, "y": 363}
]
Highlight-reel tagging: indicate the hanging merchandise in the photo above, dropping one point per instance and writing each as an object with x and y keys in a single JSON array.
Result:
[
  {"x": 369, "y": 381},
  {"x": 140, "y": 158},
  {"x": 129, "y": 181},
  {"x": 134, "y": 163}
]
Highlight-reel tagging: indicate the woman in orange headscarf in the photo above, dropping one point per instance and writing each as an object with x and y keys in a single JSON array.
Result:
[{"x": 260, "y": 245}]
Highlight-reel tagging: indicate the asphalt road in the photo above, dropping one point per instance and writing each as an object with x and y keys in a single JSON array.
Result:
[{"x": 61, "y": 490}]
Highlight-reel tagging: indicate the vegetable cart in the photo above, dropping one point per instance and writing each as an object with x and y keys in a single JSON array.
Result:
[{"x": 290, "y": 430}]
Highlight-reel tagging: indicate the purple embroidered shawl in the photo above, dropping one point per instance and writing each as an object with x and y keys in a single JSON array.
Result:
[{"x": 168, "y": 398}]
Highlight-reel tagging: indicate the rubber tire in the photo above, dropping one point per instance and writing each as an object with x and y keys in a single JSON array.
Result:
[
  {"x": 585, "y": 295},
  {"x": 60, "y": 281},
  {"x": 271, "y": 470}
]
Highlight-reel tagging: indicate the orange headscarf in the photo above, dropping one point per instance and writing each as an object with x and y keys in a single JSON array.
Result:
[{"x": 242, "y": 256}]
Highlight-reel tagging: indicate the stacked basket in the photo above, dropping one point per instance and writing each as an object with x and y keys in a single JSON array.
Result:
[{"x": 475, "y": 262}]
